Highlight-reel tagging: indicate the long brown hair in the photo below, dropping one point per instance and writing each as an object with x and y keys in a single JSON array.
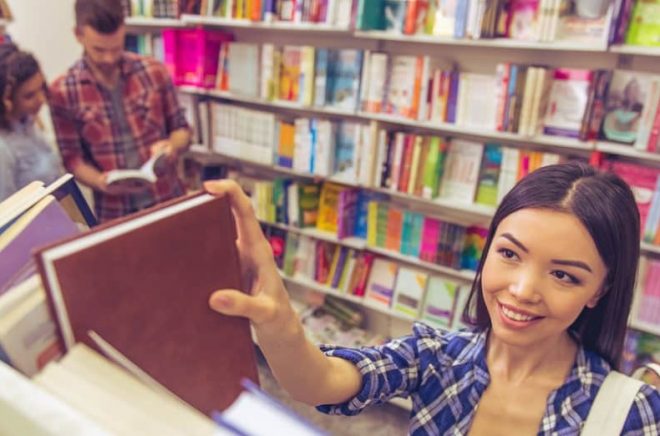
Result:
[
  {"x": 606, "y": 207},
  {"x": 16, "y": 67}
]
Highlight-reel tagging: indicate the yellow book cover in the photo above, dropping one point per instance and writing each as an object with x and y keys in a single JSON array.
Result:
[
  {"x": 307, "y": 72},
  {"x": 328, "y": 215}
]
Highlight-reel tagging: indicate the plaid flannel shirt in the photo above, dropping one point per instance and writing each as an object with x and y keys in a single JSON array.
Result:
[
  {"x": 87, "y": 129},
  {"x": 445, "y": 374}
]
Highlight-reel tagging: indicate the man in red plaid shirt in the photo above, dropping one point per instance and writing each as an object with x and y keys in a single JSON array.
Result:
[{"x": 114, "y": 110}]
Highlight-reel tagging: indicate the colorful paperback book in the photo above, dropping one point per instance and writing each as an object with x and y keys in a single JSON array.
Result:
[
  {"x": 380, "y": 287},
  {"x": 624, "y": 106},
  {"x": 409, "y": 291},
  {"x": 438, "y": 309},
  {"x": 489, "y": 175}
]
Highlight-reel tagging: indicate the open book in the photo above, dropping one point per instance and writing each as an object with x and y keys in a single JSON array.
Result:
[{"x": 147, "y": 174}]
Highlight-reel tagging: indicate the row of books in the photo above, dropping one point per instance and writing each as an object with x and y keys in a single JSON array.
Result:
[
  {"x": 378, "y": 282},
  {"x": 333, "y": 13},
  {"x": 630, "y": 21},
  {"x": 618, "y": 106},
  {"x": 421, "y": 165},
  {"x": 426, "y": 166},
  {"x": 345, "y": 212},
  {"x": 152, "y": 8}
]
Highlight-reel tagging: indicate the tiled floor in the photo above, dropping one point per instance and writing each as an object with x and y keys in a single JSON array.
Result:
[{"x": 385, "y": 420}]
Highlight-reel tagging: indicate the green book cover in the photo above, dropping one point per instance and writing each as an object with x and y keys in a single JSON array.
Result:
[
  {"x": 308, "y": 201},
  {"x": 489, "y": 175},
  {"x": 381, "y": 226},
  {"x": 644, "y": 27},
  {"x": 370, "y": 15},
  {"x": 438, "y": 306},
  {"x": 290, "y": 250}
]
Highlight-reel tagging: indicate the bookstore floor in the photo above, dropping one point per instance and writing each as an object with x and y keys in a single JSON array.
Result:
[{"x": 385, "y": 420}]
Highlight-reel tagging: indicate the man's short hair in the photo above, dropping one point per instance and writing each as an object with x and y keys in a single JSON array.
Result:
[{"x": 104, "y": 16}]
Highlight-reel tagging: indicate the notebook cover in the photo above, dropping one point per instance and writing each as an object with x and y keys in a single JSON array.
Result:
[{"x": 146, "y": 293}]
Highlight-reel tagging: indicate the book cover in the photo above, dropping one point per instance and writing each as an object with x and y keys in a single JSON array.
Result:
[
  {"x": 128, "y": 307},
  {"x": 461, "y": 173},
  {"x": 380, "y": 287},
  {"x": 624, "y": 106},
  {"x": 567, "y": 102},
  {"x": 438, "y": 308},
  {"x": 409, "y": 291},
  {"x": 489, "y": 175}
]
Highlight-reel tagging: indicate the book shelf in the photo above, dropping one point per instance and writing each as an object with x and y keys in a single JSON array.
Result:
[{"x": 475, "y": 54}]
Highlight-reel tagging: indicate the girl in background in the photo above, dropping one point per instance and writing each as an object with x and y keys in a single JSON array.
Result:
[{"x": 25, "y": 156}]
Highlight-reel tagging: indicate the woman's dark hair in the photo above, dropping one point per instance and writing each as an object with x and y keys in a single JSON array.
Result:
[
  {"x": 16, "y": 67},
  {"x": 104, "y": 16},
  {"x": 606, "y": 207}
]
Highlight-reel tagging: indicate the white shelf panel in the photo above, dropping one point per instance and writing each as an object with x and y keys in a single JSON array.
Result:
[
  {"x": 507, "y": 137},
  {"x": 276, "y": 25},
  {"x": 640, "y": 50},
  {"x": 650, "y": 248},
  {"x": 488, "y": 43},
  {"x": 463, "y": 275},
  {"x": 627, "y": 150},
  {"x": 153, "y": 22},
  {"x": 645, "y": 327}
]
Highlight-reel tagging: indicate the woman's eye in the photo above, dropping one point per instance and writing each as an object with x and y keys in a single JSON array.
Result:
[
  {"x": 506, "y": 253},
  {"x": 566, "y": 277}
]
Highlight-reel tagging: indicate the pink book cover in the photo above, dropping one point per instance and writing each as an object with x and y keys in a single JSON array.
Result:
[
  {"x": 429, "y": 240},
  {"x": 197, "y": 54},
  {"x": 641, "y": 180},
  {"x": 170, "y": 54}
]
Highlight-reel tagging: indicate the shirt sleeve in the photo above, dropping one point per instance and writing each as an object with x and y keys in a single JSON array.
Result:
[
  {"x": 174, "y": 114},
  {"x": 7, "y": 176},
  {"x": 64, "y": 124},
  {"x": 391, "y": 370},
  {"x": 644, "y": 415}
]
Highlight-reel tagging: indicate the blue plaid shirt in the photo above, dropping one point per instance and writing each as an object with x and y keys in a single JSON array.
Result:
[{"x": 445, "y": 374}]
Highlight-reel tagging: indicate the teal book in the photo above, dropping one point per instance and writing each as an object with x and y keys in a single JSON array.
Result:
[{"x": 489, "y": 175}]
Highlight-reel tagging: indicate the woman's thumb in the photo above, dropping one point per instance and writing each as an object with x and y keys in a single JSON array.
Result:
[{"x": 237, "y": 303}]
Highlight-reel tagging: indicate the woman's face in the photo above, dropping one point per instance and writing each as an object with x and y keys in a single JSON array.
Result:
[
  {"x": 29, "y": 97},
  {"x": 542, "y": 269}
]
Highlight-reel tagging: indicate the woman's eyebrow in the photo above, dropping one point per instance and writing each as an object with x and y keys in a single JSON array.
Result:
[
  {"x": 516, "y": 242},
  {"x": 575, "y": 263}
]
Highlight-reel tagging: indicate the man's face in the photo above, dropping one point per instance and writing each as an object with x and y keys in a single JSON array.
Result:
[{"x": 103, "y": 50}]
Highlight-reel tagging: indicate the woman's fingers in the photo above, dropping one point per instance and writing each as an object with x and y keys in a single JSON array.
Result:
[
  {"x": 247, "y": 225},
  {"x": 236, "y": 303}
]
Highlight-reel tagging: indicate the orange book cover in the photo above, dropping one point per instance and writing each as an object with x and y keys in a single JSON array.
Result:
[
  {"x": 406, "y": 162},
  {"x": 140, "y": 286},
  {"x": 394, "y": 226}
]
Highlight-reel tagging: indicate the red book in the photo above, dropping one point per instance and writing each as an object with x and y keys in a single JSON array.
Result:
[{"x": 137, "y": 290}]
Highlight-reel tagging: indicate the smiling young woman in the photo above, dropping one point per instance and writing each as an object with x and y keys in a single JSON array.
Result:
[{"x": 549, "y": 307}]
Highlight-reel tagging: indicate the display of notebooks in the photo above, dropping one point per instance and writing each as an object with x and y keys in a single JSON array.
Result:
[{"x": 138, "y": 289}]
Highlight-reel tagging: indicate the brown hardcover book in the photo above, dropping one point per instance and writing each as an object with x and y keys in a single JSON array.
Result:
[{"x": 137, "y": 290}]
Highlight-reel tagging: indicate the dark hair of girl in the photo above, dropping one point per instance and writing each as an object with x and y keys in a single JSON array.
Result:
[
  {"x": 606, "y": 207},
  {"x": 16, "y": 67}
]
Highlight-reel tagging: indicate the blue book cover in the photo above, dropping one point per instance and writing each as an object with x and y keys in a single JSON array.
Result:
[
  {"x": 460, "y": 24},
  {"x": 345, "y": 84},
  {"x": 361, "y": 216},
  {"x": 344, "y": 163},
  {"x": 320, "y": 76},
  {"x": 416, "y": 233},
  {"x": 406, "y": 232},
  {"x": 395, "y": 15}
]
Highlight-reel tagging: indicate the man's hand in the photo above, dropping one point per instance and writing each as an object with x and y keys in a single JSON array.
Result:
[
  {"x": 120, "y": 188},
  {"x": 166, "y": 147}
]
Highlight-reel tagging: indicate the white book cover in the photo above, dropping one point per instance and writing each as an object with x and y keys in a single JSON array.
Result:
[
  {"x": 648, "y": 114},
  {"x": 531, "y": 80},
  {"x": 508, "y": 172},
  {"x": 400, "y": 92},
  {"x": 380, "y": 286},
  {"x": 381, "y": 154},
  {"x": 377, "y": 81},
  {"x": 302, "y": 153},
  {"x": 539, "y": 100},
  {"x": 397, "y": 156},
  {"x": 368, "y": 154},
  {"x": 461, "y": 175},
  {"x": 324, "y": 147},
  {"x": 409, "y": 291},
  {"x": 479, "y": 103},
  {"x": 364, "y": 80},
  {"x": 28, "y": 409},
  {"x": 267, "y": 72},
  {"x": 244, "y": 69}
]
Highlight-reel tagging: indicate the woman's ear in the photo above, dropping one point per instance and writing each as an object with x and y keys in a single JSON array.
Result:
[{"x": 593, "y": 302}]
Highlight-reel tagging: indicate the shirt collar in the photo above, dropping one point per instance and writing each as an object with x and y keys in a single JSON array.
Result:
[{"x": 86, "y": 73}]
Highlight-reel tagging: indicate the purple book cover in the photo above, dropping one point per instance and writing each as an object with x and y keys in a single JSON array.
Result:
[
  {"x": 347, "y": 213},
  {"x": 454, "y": 78},
  {"x": 50, "y": 225},
  {"x": 339, "y": 268}
]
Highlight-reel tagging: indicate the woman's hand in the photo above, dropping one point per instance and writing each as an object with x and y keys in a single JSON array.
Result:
[{"x": 267, "y": 303}]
